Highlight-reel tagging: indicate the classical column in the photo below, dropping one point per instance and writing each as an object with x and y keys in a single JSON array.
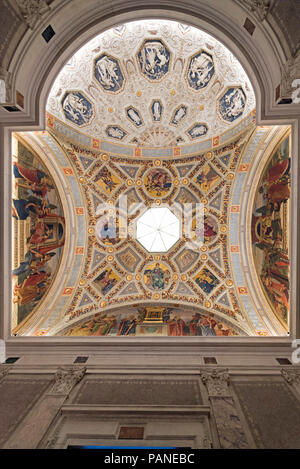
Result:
[
  {"x": 34, "y": 426},
  {"x": 228, "y": 423}
]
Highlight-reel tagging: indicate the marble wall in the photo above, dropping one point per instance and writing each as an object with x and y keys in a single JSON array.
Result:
[
  {"x": 19, "y": 394},
  {"x": 216, "y": 407},
  {"x": 272, "y": 412}
]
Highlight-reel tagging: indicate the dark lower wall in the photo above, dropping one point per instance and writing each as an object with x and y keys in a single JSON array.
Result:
[
  {"x": 263, "y": 410},
  {"x": 18, "y": 395},
  {"x": 272, "y": 412}
]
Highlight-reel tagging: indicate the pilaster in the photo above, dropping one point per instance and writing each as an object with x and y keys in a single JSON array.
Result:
[
  {"x": 229, "y": 426},
  {"x": 29, "y": 433}
]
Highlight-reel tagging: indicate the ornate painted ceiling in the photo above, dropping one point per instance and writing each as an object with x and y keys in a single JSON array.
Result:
[
  {"x": 152, "y": 205},
  {"x": 152, "y": 84}
]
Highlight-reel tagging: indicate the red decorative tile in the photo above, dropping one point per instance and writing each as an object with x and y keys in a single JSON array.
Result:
[
  {"x": 68, "y": 171},
  {"x": 96, "y": 143},
  {"x": 216, "y": 141}
]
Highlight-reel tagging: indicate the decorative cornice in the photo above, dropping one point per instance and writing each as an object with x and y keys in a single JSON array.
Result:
[
  {"x": 66, "y": 378},
  {"x": 216, "y": 381}
]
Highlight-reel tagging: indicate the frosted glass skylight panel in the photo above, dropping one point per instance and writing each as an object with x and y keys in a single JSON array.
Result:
[{"x": 158, "y": 229}]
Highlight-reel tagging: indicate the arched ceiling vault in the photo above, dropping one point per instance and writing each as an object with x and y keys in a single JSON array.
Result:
[
  {"x": 163, "y": 114},
  {"x": 152, "y": 83}
]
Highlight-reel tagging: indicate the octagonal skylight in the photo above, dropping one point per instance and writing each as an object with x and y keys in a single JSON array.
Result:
[{"x": 158, "y": 229}]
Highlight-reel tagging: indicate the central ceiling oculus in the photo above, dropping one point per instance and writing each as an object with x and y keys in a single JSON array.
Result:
[{"x": 158, "y": 229}]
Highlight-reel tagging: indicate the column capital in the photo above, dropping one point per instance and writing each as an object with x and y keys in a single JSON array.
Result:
[
  {"x": 216, "y": 381},
  {"x": 259, "y": 8},
  {"x": 290, "y": 73},
  {"x": 31, "y": 11},
  {"x": 66, "y": 378},
  {"x": 291, "y": 375}
]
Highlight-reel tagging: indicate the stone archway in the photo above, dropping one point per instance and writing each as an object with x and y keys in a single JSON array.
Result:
[{"x": 211, "y": 20}]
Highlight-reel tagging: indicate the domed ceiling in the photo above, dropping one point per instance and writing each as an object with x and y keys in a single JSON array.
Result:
[
  {"x": 174, "y": 203},
  {"x": 152, "y": 84}
]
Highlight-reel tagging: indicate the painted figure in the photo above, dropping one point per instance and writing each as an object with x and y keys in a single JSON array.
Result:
[
  {"x": 178, "y": 115},
  {"x": 103, "y": 326},
  {"x": 108, "y": 73},
  {"x": 77, "y": 108},
  {"x": 232, "y": 104},
  {"x": 23, "y": 208},
  {"x": 207, "y": 326},
  {"x": 198, "y": 131},
  {"x": 106, "y": 180},
  {"x": 156, "y": 278},
  {"x": 158, "y": 182},
  {"x": 106, "y": 229},
  {"x": 41, "y": 233},
  {"x": 33, "y": 260},
  {"x": 176, "y": 327},
  {"x": 207, "y": 178},
  {"x": 134, "y": 116},
  {"x": 32, "y": 288},
  {"x": 207, "y": 232},
  {"x": 35, "y": 179},
  {"x": 128, "y": 326},
  {"x": 115, "y": 132},
  {"x": 106, "y": 281},
  {"x": 156, "y": 110},
  {"x": 201, "y": 70},
  {"x": 38, "y": 231},
  {"x": 206, "y": 280},
  {"x": 270, "y": 228},
  {"x": 193, "y": 324},
  {"x": 154, "y": 59}
]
